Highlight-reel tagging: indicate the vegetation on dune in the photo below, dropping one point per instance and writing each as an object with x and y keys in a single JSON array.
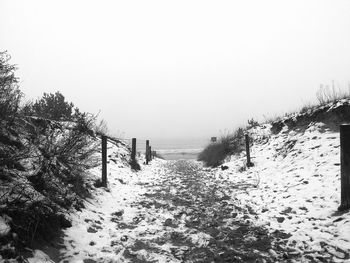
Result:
[
  {"x": 214, "y": 154},
  {"x": 327, "y": 94},
  {"x": 43, "y": 162},
  {"x": 53, "y": 106},
  {"x": 10, "y": 94}
]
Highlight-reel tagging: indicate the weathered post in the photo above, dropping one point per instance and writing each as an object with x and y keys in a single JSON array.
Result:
[
  {"x": 104, "y": 161},
  {"x": 133, "y": 149},
  {"x": 147, "y": 151},
  {"x": 150, "y": 153},
  {"x": 345, "y": 166},
  {"x": 249, "y": 164}
]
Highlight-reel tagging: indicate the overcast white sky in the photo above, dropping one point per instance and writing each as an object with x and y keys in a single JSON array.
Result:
[{"x": 178, "y": 68}]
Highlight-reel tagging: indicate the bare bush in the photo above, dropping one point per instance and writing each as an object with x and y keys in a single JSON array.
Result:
[
  {"x": 45, "y": 173},
  {"x": 66, "y": 155},
  {"x": 29, "y": 212}
]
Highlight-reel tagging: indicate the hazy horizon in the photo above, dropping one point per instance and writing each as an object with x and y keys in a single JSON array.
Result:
[{"x": 184, "y": 69}]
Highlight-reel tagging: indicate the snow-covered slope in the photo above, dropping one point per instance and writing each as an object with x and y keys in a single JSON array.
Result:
[
  {"x": 294, "y": 186},
  {"x": 118, "y": 168},
  {"x": 158, "y": 215}
]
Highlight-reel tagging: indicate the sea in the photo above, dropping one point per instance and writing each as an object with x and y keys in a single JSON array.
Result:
[{"x": 177, "y": 148}]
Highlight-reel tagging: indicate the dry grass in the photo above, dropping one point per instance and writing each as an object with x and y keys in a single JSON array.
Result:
[
  {"x": 214, "y": 154},
  {"x": 327, "y": 94}
]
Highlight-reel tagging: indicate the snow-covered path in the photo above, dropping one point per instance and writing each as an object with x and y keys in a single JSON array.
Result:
[
  {"x": 169, "y": 212},
  {"x": 283, "y": 209}
]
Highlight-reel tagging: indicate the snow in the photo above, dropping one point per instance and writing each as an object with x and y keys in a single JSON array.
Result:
[
  {"x": 4, "y": 227},
  {"x": 39, "y": 257},
  {"x": 95, "y": 232},
  {"x": 297, "y": 175},
  {"x": 293, "y": 187}
]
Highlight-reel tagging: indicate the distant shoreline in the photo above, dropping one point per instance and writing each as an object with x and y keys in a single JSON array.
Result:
[
  {"x": 176, "y": 149},
  {"x": 180, "y": 154}
]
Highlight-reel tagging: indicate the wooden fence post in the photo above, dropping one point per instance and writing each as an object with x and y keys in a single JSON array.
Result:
[
  {"x": 104, "y": 161},
  {"x": 147, "y": 151},
  {"x": 345, "y": 166},
  {"x": 249, "y": 163},
  {"x": 150, "y": 153},
  {"x": 133, "y": 149}
]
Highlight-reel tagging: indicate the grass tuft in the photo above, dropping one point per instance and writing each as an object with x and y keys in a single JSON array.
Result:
[
  {"x": 215, "y": 153},
  {"x": 327, "y": 94}
]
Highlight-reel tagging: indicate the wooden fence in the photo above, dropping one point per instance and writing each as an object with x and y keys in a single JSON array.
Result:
[
  {"x": 344, "y": 158},
  {"x": 345, "y": 167},
  {"x": 149, "y": 156}
]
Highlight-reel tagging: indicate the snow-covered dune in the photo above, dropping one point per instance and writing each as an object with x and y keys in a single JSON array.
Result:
[
  {"x": 283, "y": 209},
  {"x": 294, "y": 187}
]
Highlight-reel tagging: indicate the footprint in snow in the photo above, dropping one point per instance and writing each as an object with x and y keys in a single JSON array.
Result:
[
  {"x": 94, "y": 228},
  {"x": 89, "y": 260},
  {"x": 117, "y": 216},
  {"x": 287, "y": 211},
  {"x": 303, "y": 208}
]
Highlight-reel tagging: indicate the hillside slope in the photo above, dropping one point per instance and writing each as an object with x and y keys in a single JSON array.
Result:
[
  {"x": 169, "y": 211},
  {"x": 45, "y": 175},
  {"x": 294, "y": 185},
  {"x": 96, "y": 234},
  {"x": 283, "y": 209}
]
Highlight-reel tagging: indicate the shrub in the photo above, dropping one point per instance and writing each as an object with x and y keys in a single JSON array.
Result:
[
  {"x": 10, "y": 94},
  {"x": 26, "y": 108},
  {"x": 54, "y": 159},
  {"x": 54, "y": 107},
  {"x": 42, "y": 162},
  {"x": 215, "y": 153},
  {"x": 67, "y": 155}
]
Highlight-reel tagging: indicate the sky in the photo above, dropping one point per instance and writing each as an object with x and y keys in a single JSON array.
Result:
[{"x": 178, "y": 69}]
